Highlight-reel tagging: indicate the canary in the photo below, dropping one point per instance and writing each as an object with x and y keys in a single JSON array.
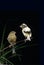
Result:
[{"x": 12, "y": 40}]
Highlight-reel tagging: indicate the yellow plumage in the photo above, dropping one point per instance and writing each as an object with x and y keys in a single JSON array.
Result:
[
  {"x": 12, "y": 37},
  {"x": 12, "y": 40}
]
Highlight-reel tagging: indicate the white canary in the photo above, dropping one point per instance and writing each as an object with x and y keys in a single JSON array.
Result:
[
  {"x": 26, "y": 32},
  {"x": 12, "y": 40}
]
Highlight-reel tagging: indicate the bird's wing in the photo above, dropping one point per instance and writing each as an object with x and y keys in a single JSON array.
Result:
[
  {"x": 27, "y": 32},
  {"x": 27, "y": 29}
]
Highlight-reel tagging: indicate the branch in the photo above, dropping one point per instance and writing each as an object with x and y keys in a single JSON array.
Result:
[{"x": 10, "y": 46}]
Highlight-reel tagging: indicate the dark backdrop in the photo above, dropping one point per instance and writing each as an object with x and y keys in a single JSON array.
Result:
[{"x": 13, "y": 19}]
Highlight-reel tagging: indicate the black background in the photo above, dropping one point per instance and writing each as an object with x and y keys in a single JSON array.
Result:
[{"x": 13, "y": 19}]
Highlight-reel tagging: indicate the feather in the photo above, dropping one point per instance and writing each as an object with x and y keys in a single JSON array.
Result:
[
  {"x": 12, "y": 40},
  {"x": 26, "y": 31}
]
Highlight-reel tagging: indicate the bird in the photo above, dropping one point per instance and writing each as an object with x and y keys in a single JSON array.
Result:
[
  {"x": 12, "y": 40},
  {"x": 26, "y": 31}
]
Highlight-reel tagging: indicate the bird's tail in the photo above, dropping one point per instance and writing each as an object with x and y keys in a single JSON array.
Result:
[{"x": 13, "y": 50}]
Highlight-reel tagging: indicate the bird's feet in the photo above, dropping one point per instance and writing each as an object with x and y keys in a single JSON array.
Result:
[{"x": 27, "y": 40}]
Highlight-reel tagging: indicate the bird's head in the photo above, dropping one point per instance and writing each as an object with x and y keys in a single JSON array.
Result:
[
  {"x": 23, "y": 25},
  {"x": 12, "y": 32}
]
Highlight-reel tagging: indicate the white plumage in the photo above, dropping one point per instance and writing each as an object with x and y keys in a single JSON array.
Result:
[{"x": 26, "y": 31}]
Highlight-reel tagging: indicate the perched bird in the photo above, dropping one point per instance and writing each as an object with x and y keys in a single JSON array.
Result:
[
  {"x": 26, "y": 32},
  {"x": 12, "y": 40}
]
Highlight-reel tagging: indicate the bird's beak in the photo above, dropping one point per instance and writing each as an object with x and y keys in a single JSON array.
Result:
[{"x": 20, "y": 26}]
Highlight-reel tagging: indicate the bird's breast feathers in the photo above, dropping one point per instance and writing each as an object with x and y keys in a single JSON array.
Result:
[
  {"x": 12, "y": 38},
  {"x": 26, "y": 29}
]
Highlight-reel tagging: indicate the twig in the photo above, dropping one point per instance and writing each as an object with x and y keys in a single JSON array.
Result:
[
  {"x": 7, "y": 60},
  {"x": 3, "y": 36},
  {"x": 14, "y": 44},
  {"x": 10, "y": 46}
]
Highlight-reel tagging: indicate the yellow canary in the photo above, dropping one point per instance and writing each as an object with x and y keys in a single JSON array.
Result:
[{"x": 12, "y": 40}]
